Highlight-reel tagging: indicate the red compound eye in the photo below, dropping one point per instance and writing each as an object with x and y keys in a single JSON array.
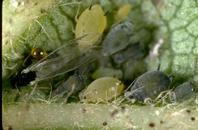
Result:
[{"x": 38, "y": 53}]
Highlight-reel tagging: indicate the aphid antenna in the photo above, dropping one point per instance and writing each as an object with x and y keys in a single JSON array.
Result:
[
  {"x": 91, "y": 4},
  {"x": 71, "y": 42}
]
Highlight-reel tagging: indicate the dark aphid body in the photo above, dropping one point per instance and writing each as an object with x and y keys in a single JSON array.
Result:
[
  {"x": 182, "y": 92},
  {"x": 71, "y": 86},
  {"x": 149, "y": 85},
  {"x": 133, "y": 51},
  {"x": 22, "y": 79},
  {"x": 38, "y": 53},
  {"x": 118, "y": 38}
]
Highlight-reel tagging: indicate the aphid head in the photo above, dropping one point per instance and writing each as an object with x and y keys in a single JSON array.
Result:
[
  {"x": 38, "y": 53},
  {"x": 127, "y": 26},
  {"x": 137, "y": 95}
]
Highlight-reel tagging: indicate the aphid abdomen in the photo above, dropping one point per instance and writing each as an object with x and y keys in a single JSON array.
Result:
[
  {"x": 151, "y": 84},
  {"x": 118, "y": 38}
]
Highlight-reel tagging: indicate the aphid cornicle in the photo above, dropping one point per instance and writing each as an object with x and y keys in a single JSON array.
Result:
[{"x": 149, "y": 85}]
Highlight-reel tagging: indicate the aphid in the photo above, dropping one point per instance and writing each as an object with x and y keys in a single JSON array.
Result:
[
  {"x": 148, "y": 85},
  {"x": 71, "y": 86},
  {"x": 133, "y": 51},
  {"x": 38, "y": 53},
  {"x": 118, "y": 38},
  {"x": 123, "y": 12},
  {"x": 182, "y": 92},
  {"x": 91, "y": 24},
  {"x": 60, "y": 65},
  {"x": 102, "y": 90}
]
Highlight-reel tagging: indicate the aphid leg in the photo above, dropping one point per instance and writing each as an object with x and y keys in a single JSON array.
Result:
[
  {"x": 171, "y": 77},
  {"x": 148, "y": 101},
  {"x": 172, "y": 97},
  {"x": 69, "y": 94},
  {"x": 33, "y": 90},
  {"x": 50, "y": 94},
  {"x": 161, "y": 98}
]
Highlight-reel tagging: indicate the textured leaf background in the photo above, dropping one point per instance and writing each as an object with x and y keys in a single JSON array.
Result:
[{"x": 170, "y": 24}]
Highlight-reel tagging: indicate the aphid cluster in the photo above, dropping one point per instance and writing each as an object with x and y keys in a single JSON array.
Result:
[{"x": 114, "y": 59}]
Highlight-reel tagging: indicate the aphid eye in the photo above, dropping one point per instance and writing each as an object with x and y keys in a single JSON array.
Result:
[{"x": 38, "y": 53}]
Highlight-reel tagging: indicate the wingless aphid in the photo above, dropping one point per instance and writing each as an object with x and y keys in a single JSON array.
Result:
[
  {"x": 102, "y": 90},
  {"x": 118, "y": 37},
  {"x": 182, "y": 92},
  {"x": 92, "y": 23},
  {"x": 148, "y": 86},
  {"x": 69, "y": 87}
]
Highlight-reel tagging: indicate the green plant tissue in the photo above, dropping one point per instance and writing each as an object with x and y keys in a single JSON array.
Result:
[{"x": 168, "y": 28}]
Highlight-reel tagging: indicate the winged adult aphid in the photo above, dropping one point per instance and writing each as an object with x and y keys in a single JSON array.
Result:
[{"x": 52, "y": 67}]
